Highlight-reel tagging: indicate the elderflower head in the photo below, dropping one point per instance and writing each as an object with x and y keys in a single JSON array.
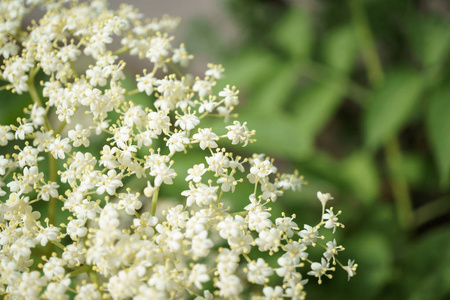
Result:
[{"x": 98, "y": 163}]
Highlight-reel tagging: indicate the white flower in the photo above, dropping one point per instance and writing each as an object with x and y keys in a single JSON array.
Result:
[
  {"x": 332, "y": 250},
  {"x": 181, "y": 56},
  {"x": 260, "y": 170},
  {"x": 287, "y": 225},
  {"x": 203, "y": 87},
  {"x": 324, "y": 198},
  {"x": 68, "y": 53},
  {"x": 159, "y": 122},
  {"x": 37, "y": 115},
  {"x": 331, "y": 219},
  {"x": 59, "y": 147},
  {"x": 187, "y": 121},
  {"x": 273, "y": 293},
  {"x": 229, "y": 286},
  {"x": 206, "y": 137},
  {"x": 228, "y": 182},
  {"x": 269, "y": 240},
  {"x": 196, "y": 173},
  {"x": 198, "y": 275},
  {"x": 48, "y": 190},
  {"x": 28, "y": 156},
  {"x": 129, "y": 202},
  {"x": 109, "y": 183},
  {"x": 227, "y": 261},
  {"x": 22, "y": 130},
  {"x": 158, "y": 50},
  {"x": 258, "y": 220},
  {"x": 320, "y": 269},
  {"x": 149, "y": 190},
  {"x": 88, "y": 291},
  {"x": 54, "y": 267},
  {"x": 351, "y": 268},
  {"x": 201, "y": 245},
  {"x": 5, "y": 135},
  {"x": 309, "y": 235},
  {"x": 259, "y": 271},
  {"x": 230, "y": 96},
  {"x": 218, "y": 162},
  {"x": 79, "y": 136},
  {"x": 177, "y": 142},
  {"x": 238, "y": 133},
  {"x": 76, "y": 228},
  {"x": 231, "y": 227},
  {"x": 214, "y": 71},
  {"x": 146, "y": 83},
  {"x": 163, "y": 173}
]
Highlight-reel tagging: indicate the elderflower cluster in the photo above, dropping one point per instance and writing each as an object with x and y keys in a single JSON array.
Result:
[{"x": 81, "y": 146}]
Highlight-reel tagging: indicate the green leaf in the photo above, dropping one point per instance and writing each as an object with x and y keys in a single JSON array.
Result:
[
  {"x": 391, "y": 105},
  {"x": 361, "y": 175},
  {"x": 316, "y": 105},
  {"x": 273, "y": 93},
  {"x": 340, "y": 48},
  {"x": 430, "y": 39},
  {"x": 277, "y": 135},
  {"x": 427, "y": 266},
  {"x": 373, "y": 254},
  {"x": 438, "y": 127},
  {"x": 249, "y": 68},
  {"x": 294, "y": 33}
]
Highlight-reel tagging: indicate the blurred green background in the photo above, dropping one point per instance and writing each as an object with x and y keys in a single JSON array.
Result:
[{"x": 355, "y": 95}]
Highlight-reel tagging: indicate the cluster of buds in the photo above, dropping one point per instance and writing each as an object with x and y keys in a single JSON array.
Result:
[{"x": 83, "y": 146}]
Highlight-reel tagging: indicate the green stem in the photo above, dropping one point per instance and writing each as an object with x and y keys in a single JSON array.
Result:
[
  {"x": 32, "y": 90},
  {"x": 154, "y": 201},
  {"x": 60, "y": 128},
  {"x": 80, "y": 270},
  {"x": 5, "y": 87},
  {"x": 72, "y": 66},
  {"x": 93, "y": 277},
  {"x": 399, "y": 185},
  {"x": 368, "y": 48},
  {"x": 34, "y": 94},
  {"x": 432, "y": 210},
  {"x": 130, "y": 93},
  {"x": 121, "y": 50},
  {"x": 59, "y": 245},
  {"x": 176, "y": 70}
]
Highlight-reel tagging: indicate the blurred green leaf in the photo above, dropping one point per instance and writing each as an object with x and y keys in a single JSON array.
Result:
[
  {"x": 249, "y": 68},
  {"x": 438, "y": 126},
  {"x": 361, "y": 175},
  {"x": 391, "y": 105},
  {"x": 278, "y": 135},
  {"x": 294, "y": 33},
  {"x": 340, "y": 48},
  {"x": 12, "y": 106},
  {"x": 427, "y": 266},
  {"x": 414, "y": 169},
  {"x": 372, "y": 252},
  {"x": 274, "y": 93},
  {"x": 430, "y": 39},
  {"x": 139, "y": 98},
  {"x": 314, "y": 107}
]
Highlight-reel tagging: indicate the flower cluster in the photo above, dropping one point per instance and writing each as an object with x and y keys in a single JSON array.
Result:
[{"x": 115, "y": 241}]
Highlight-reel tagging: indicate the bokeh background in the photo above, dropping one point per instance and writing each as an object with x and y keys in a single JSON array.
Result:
[{"x": 356, "y": 95}]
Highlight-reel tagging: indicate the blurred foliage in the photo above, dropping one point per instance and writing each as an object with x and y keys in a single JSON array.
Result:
[{"x": 355, "y": 94}]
